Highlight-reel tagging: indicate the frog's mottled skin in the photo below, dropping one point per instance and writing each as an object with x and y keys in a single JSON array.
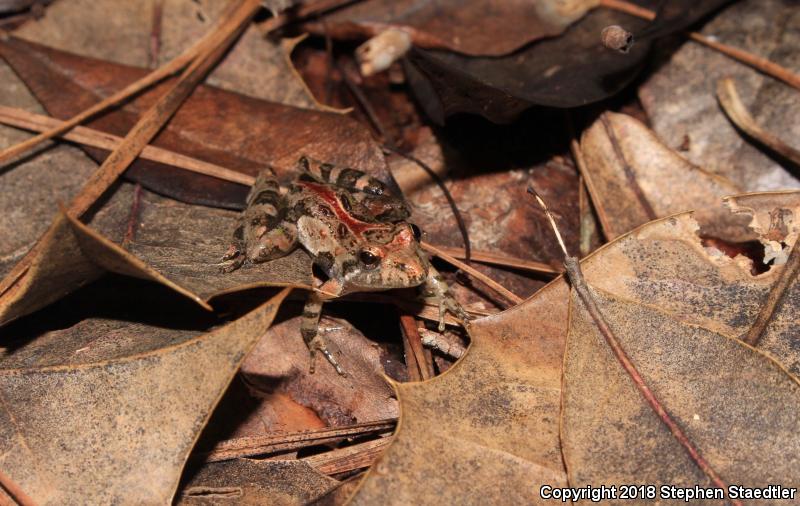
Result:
[{"x": 354, "y": 231}]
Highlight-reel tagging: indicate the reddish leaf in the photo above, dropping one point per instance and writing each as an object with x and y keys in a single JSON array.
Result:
[{"x": 229, "y": 129}]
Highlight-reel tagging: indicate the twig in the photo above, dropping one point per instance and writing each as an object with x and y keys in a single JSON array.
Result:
[
  {"x": 14, "y": 491},
  {"x": 145, "y": 82},
  {"x": 487, "y": 257},
  {"x": 171, "y": 68},
  {"x": 761, "y": 64},
  {"x": 149, "y": 124},
  {"x": 349, "y": 458},
  {"x": 578, "y": 282},
  {"x": 89, "y": 137},
  {"x": 409, "y": 326},
  {"x": 413, "y": 367},
  {"x": 363, "y": 102},
  {"x": 435, "y": 340},
  {"x": 462, "y": 227},
  {"x": 494, "y": 285},
  {"x": 737, "y": 112},
  {"x": 263, "y": 445}
]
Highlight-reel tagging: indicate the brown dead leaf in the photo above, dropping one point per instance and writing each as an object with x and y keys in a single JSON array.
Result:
[
  {"x": 255, "y": 482},
  {"x": 485, "y": 27},
  {"x": 30, "y": 195},
  {"x": 94, "y": 427},
  {"x": 739, "y": 407},
  {"x": 122, "y": 33},
  {"x": 570, "y": 70},
  {"x": 488, "y": 427},
  {"x": 176, "y": 244},
  {"x": 680, "y": 102},
  {"x": 279, "y": 363},
  {"x": 704, "y": 298},
  {"x": 633, "y": 178},
  {"x": 235, "y": 131}
]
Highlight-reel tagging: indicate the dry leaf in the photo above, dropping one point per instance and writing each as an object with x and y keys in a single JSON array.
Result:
[
  {"x": 255, "y": 482},
  {"x": 518, "y": 352},
  {"x": 94, "y": 429},
  {"x": 485, "y": 27},
  {"x": 741, "y": 409},
  {"x": 122, "y": 33},
  {"x": 176, "y": 244},
  {"x": 228, "y": 129},
  {"x": 487, "y": 429},
  {"x": 570, "y": 70},
  {"x": 279, "y": 363},
  {"x": 680, "y": 102},
  {"x": 633, "y": 178},
  {"x": 33, "y": 187}
]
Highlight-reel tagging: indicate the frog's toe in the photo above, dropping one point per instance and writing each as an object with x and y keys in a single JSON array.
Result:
[
  {"x": 317, "y": 344},
  {"x": 233, "y": 252},
  {"x": 232, "y": 265},
  {"x": 449, "y": 304}
]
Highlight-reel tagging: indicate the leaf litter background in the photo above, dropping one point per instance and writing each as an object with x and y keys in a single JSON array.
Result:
[{"x": 115, "y": 368}]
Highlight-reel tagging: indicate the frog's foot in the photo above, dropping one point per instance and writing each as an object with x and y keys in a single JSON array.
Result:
[
  {"x": 447, "y": 303},
  {"x": 309, "y": 328},
  {"x": 232, "y": 259},
  {"x": 317, "y": 344},
  {"x": 436, "y": 289}
]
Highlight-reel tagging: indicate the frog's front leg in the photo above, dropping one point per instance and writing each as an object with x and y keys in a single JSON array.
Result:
[
  {"x": 309, "y": 328},
  {"x": 436, "y": 288},
  {"x": 263, "y": 232}
]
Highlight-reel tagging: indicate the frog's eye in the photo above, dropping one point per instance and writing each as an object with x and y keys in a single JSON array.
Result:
[
  {"x": 369, "y": 258},
  {"x": 417, "y": 232}
]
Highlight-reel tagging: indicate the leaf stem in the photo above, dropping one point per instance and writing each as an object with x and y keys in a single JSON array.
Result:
[{"x": 578, "y": 282}]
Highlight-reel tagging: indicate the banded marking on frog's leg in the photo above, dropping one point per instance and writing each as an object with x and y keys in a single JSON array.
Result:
[
  {"x": 343, "y": 177},
  {"x": 309, "y": 329},
  {"x": 234, "y": 257},
  {"x": 435, "y": 287},
  {"x": 267, "y": 233}
]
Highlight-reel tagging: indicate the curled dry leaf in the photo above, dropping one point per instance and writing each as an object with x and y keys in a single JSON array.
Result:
[
  {"x": 570, "y": 70},
  {"x": 634, "y": 178},
  {"x": 279, "y": 363},
  {"x": 32, "y": 188},
  {"x": 705, "y": 301},
  {"x": 246, "y": 134},
  {"x": 176, "y": 244},
  {"x": 252, "y": 482},
  {"x": 127, "y": 417},
  {"x": 478, "y": 28},
  {"x": 680, "y": 102},
  {"x": 487, "y": 429}
]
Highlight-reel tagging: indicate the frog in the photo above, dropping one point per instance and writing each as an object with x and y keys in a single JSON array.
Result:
[{"x": 356, "y": 232}]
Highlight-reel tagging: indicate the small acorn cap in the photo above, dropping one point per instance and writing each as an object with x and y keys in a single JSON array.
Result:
[{"x": 617, "y": 38}]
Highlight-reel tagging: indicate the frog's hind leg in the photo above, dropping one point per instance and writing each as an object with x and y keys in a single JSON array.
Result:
[
  {"x": 309, "y": 328},
  {"x": 353, "y": 180},
  {"x": 263, "y": 232}
]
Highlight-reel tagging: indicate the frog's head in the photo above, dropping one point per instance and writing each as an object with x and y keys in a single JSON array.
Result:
[{"x": 386, "y": 259}]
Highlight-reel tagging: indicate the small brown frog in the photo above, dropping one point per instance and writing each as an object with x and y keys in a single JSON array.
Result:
[{"x": 355, "y": 232}]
